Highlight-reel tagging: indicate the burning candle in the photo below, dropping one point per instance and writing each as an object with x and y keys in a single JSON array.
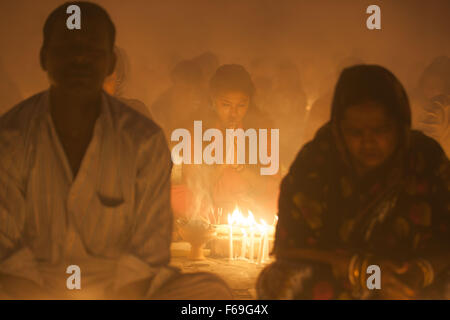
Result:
[
  {"x": 260, "y": 248},
  {"x": 266, "y": 241},
  {"x": 275, "y": 220},
  {"x": 219, "y": 213},
  {"x": 252, "y": 243},
  {"x": 263, "y": 245},
  {"x": 244, "y": 244},
  {"x": 213, "y": 216},
  {"x": 266, "y": 247},
  {"x": 230, "y": 249}
]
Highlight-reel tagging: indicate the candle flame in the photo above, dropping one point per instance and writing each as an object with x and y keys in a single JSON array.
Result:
[
  {"x": 251, "y": 218},
  {"x": 248, "y": 224}
]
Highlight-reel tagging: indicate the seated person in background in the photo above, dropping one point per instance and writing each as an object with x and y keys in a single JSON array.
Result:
[
  {"x": 367, "y": 190},
  {"x": 174, "y": 108},
  {"x": 434, "y": 81},
  {"x": 287, "y": 108},
  {"x": 85, "y": 180},
  {"x": 432, "y": 102},
  {"x": 435, "y": 120},
  {"x": 208, "y": 62},
  {"x": 227, "y": 185},
  {"x": 115, "y": 83},
  {"x": 319, "y": 113}
]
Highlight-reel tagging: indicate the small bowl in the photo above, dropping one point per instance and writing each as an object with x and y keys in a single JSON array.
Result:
[{"x": 197, "y": 234}]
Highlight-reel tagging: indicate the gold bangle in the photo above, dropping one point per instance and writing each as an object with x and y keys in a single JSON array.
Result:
[
  {"x": 424, "y": 272},
  {"x": 351, "y": 267},
  {"x": 364, "y": 265},
  {"x": 428, "y": 272}
]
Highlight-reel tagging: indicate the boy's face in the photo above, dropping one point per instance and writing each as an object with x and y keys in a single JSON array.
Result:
[
  {"x": 231, "y": 107},
  {"x": 78, "y": 61}
]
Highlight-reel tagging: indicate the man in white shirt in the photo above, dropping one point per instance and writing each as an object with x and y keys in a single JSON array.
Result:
[{"x": 85, "y": 181}]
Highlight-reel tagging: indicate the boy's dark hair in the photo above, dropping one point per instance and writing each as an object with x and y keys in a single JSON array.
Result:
[
  {"x": 232, "y": 77},
  {"x": 87, "y": 8},
  {"x": 186, "y": 71}
]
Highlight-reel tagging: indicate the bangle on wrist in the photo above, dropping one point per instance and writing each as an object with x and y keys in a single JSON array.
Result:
[
  {"x": 353, "y": 269},
  {"x": 350, "y": 269},
  {"x": 427, "y": 270},
  {"x": 357, "y": 268},
  {"x": 364, "y": 265}
]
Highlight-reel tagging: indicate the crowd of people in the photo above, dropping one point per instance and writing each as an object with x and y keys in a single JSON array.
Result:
[{"x": 86, "y": 176}]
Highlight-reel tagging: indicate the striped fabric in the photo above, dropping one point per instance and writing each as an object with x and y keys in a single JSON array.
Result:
[{"x": 113, "y": 219}]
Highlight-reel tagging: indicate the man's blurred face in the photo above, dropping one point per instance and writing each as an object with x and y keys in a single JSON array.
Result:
[{"x": 78, "y": 61}]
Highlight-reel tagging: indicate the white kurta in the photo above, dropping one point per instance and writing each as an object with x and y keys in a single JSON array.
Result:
[{"x": 113, "y": 219}]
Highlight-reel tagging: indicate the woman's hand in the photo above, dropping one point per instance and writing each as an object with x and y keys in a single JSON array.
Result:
[
  {"x": 392, "y": 287},
  {"x": 340, "y": 261}
]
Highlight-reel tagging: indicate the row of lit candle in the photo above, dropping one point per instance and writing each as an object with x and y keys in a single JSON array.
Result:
[{"x": 260, "y": 232}]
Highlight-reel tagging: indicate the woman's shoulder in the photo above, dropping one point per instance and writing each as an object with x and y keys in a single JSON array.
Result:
[
  {"x": 422, "y": 141},
  {"x": 427, "y": 152},
  {"x": 317, "y": 155}
]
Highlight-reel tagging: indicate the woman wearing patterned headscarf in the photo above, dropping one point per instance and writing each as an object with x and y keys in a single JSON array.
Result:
[{"x": 367, "y": 190}]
